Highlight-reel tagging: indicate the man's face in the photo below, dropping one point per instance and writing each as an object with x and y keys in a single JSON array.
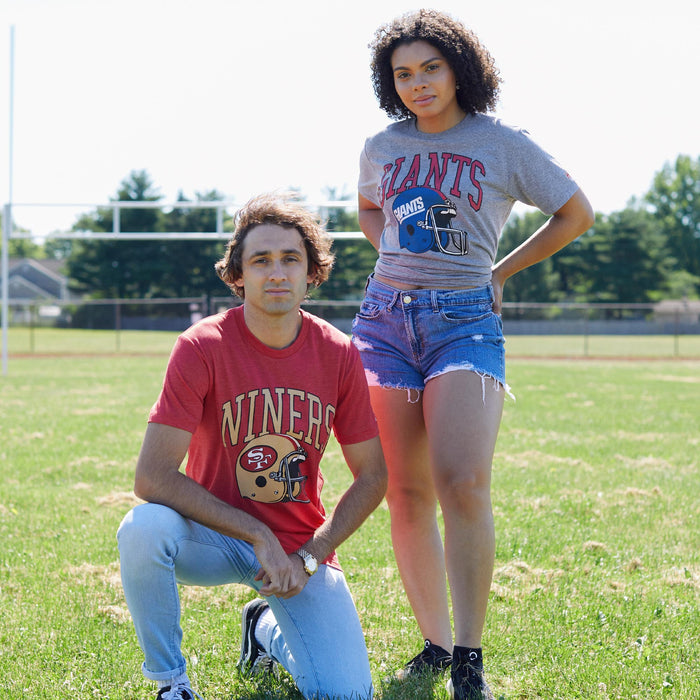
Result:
[{"x": 274, "y": 271}]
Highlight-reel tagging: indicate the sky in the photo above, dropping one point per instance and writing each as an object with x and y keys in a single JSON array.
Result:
[{"x": 246, "y": 96}]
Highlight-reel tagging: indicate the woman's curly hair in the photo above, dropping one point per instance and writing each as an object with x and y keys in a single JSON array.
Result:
[
  {"x": 282, "y": 210},
  {"x": 474, "y": 68}
]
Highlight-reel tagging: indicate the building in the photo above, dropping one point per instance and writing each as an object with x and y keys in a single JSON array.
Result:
[{"x": 36, "y": 281}]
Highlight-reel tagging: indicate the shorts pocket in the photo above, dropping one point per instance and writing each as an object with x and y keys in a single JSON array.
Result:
[
  {"x": 499, "y": 322},
  {"x": 369, "y": 310},
  {"x": 467, "y": 314},
  {"x": 487, "y": 324}
]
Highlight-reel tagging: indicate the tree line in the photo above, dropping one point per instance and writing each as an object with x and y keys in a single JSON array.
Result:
[{"x": 648, "y": 251}]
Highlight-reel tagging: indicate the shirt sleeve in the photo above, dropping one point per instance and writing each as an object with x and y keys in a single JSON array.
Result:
[
  {"x": 354, "y": 419},
  {"x": 187, "y": 378},
  {"x": 368, "y": 184},
  {"x": 537, "y": 179}
]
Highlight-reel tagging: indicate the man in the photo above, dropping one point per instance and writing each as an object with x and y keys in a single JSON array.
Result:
[{"x": 251, "y": 396}]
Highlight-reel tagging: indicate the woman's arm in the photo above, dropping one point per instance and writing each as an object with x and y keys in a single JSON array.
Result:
[
  {"x": 565, "y": 225},
  {"x": 371, "y": 219}
]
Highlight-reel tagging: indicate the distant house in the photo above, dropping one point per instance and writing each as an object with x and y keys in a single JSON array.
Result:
[
  {"x": 678, "y": 310},
  {"x": 36, "y": 280}
]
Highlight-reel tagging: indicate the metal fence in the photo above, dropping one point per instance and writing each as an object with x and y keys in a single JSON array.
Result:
[{"x": 530, "y": 328}]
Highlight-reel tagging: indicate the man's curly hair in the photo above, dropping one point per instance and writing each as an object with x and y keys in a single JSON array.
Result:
[
  {"x": 474, "y": 68},
  {"x": 282, "y": 210}
]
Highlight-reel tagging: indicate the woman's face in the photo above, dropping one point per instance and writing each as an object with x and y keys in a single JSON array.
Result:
[{"x": 427, "y": 86}]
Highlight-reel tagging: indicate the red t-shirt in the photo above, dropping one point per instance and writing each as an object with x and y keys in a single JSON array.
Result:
[{"x": 260, "y": 418}]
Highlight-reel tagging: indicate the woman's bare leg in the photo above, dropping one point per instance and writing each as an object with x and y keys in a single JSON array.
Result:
[
  {"x": 462, "y": 417},
  {"x": 412, "y": 502}
]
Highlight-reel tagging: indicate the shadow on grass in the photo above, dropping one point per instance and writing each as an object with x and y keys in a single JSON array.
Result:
[
  {"x": 266, "y": 686},
  {"x": 425, "y": 686}
]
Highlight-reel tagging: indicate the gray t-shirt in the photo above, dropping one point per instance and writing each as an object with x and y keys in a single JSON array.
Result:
[{"x": 447, "y": 196}]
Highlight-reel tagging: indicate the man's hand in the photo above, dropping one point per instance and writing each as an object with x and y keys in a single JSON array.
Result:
[{"x": 282, "y": 574}]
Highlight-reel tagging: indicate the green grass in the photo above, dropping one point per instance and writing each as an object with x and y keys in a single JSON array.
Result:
[
  {"x": 58, "y": 341},
  {"x": 596, "y": 590}
]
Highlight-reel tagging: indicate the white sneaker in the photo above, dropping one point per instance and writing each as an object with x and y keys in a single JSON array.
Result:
[{"x": 179, "y": 691}]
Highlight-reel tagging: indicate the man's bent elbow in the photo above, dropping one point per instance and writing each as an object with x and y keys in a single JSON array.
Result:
[{"x": 144, "y": 487}]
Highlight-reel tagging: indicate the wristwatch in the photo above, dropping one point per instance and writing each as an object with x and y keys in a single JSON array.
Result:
[{"x": 310, "y": 563}]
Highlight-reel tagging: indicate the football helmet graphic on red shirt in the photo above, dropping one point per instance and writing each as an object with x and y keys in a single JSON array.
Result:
[{"x": 268, "y": 470}]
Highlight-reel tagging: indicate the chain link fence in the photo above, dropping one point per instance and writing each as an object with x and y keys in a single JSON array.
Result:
[{"x": 531, "y": 329}]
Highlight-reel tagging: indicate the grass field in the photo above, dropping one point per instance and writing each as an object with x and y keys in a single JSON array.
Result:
[{"x": 596, "y": 592}]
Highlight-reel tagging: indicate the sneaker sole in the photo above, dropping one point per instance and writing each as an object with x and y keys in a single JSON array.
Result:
[{"x": 247, "y": 632}]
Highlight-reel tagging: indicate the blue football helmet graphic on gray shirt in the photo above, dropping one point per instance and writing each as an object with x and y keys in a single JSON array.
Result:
[{"x": 425, "y": 216}]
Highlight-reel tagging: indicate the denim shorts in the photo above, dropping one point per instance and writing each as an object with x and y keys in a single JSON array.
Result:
[{"x": 406, "y": 338}]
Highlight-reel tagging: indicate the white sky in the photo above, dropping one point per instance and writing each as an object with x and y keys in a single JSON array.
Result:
[{"x": 246, "y": 96}]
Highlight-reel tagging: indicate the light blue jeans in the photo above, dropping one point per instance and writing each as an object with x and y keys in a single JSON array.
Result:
[{"x": 317, "y": 635}]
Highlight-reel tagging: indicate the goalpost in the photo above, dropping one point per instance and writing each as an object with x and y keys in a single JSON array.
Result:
[
  {"x": 7, "y": 210},
  {"x": 116, "y": 234}
]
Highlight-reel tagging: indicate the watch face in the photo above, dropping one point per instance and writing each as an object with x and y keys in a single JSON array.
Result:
[{"x": 310, "y": 565}]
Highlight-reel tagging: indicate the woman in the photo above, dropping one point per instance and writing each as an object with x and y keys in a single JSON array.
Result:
[{"x": 435, "y": 191}]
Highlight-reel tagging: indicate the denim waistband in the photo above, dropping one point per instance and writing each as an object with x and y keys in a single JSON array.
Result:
[{"x": 381, "y": 292}]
